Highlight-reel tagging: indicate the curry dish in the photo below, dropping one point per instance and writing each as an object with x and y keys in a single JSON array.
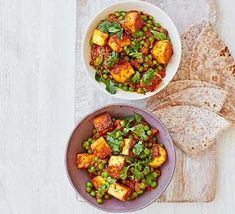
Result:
[
  {"x": 123, "y": 158},
  {"x": 130, "y": 50}
]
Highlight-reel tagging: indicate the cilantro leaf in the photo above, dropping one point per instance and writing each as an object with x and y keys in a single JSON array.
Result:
[
  {"x": 111, "y": 28},
  {"x": 136, "y": 54},
  {"x": 114, "y": 143},
  {"x": 138, "y": 148},
  {"x": 112, "y": 59},
  {"x": 134, "y": 50},
  {"x": 110, "y": 86},
  {"x": 98, "y": 76},
  {"x": 158, "y": 35},
  {"x": 136, "y": 77},
  {"x": 148, "y": 76},
  {"x": 139, "y": 130}
]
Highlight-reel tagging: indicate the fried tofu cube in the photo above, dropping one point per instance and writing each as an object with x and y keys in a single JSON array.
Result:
[
  {"x": 122, "y": 72},
  {"x": 115, "y": 166},
  {"x": 99, "y": 38},
  {"x": 98, "y": 181},
  {"x": 119, "y": 191},
  {"x": 162, "y": 51},
  {"x": 160, "y": 158},
  {"x": 101, "y": 148},
  {"x": 117, "y": 44},
  {"x": 133, "y": 21},
  {"x": 127, "y": 146},
  {"x": 103, "y": 123},
  {"x": 85, "y": 160}
]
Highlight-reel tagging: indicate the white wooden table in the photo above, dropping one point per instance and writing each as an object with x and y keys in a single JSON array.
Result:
[{"x": 37, "y": 58}]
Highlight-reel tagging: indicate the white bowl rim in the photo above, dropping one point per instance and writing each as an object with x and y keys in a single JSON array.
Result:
[{"x": 88, "y": 68}]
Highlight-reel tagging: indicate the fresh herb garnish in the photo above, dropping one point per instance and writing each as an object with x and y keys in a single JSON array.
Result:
[
  {"x": 138, "y": 148},
  {"x": 139, "y": 130},
  {"x": 148, "y": 76},
  {"x": 112, "y": 59},
  {"x": 112, "y": 139},
  {"x": 111, "y": 28},
  {"x": 137, "y": 117},
  {"x": 134, "y": 50},
  {"x": 110, "y": 86},
  {"x": 158, "y": 35},
  {"x": 98, "y": 76},
  {"x": 136, "y": 77}
]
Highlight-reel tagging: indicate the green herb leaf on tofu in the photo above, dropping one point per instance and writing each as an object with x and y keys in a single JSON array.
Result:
[
  {"x": 148, "y": 76},
  {"x": 112, "y": 59},
  {"x": 138, "y": 148},
  {"x": 158, "y": 35},
  {"x": 110, "y": 86},
  {"x": 136, "y": 77},
  {"x": 111, "y": 28}
]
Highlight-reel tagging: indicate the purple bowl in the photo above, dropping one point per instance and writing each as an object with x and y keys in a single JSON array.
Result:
[{"x": 78, "y": 178}]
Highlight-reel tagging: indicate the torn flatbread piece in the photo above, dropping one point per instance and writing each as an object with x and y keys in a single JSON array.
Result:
[
  {"x": 211, "y": 59},
  {"x": 193, "y": 129},
  {"x": 206, "y": 97},
  {"x": 174, "y": 87}
]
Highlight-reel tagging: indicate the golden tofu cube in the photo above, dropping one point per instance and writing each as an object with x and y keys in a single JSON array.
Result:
[
  {"x": 119, "y": 191},
  {"x": 99, "y": 38},
  {"x": 98, "y": 181},
  {"x": 122, "y": 72},
  {"x": 160, "y": 159},
  {"x": 117, "y": 44},
  {"x": 103, "y": 123},
  {"x": 85, "y": 160},
  {"x": 101, "y": 148},
  {"x": 115, "y": 166},
  {"x": 127, "y": 146},
  {"x": 162, "y": 51},
  {"x": 133, "y": 21}
]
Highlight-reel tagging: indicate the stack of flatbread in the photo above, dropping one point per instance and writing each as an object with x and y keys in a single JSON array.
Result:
[{"x": 196, "y": 107}]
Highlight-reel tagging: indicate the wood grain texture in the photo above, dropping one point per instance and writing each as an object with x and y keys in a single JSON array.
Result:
[{"x": 37, "y": 112}]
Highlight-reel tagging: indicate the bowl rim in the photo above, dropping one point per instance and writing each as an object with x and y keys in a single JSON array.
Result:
[
  {"x": 126, "y": 105},
  {"x": 83, "y": 43}
]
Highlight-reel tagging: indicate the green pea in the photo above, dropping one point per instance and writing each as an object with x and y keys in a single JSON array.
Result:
[
  {"x": 154, "y": 174},
  {"x": 96, "y": 159},
  {"x": 145, "y": 45},
  {"x": 98, "y": 60},
  {"x": 105, "y": 76},
  {"x": 88, "y": 189},
  {"x": 105, "y": 72},
  {"x": 154, "y": 62},
  {"x": 146, "y": 65},
  {"x": 151, "y": 17},
  {"x": 125, "y": 88},
  {"x": 141, "y": 68},
  {"x": 131, "y": 89},
  {"x": 85, "y": 144},
  {"x": 159, "y": 67},
  {"x": 142, "y": 186},
  {"x": 91, "y": 169},
  {"x": 149, "y": 132},
  {"x": 140, "y": 192},
  {"x": 145, "y": 18},
  {"x": 89, "y": 184},
  {"x": 135, "y": 194},
  {"x": 118, "y": 134},
  {"x": 150, "y": 56},
  {"x": 149, "y": 22},
  {"x": 126, "y": 49},
  {"x": 146, "y": 59},
  {"x": 120, "y": 138},
  {"x": 157, "y": 24},
  {"x": 99, "y": 201},
  {"x": 101, "y": 166},
  {"x": 92, "y": 193},
  {"x": 90, "y": 139},
  {"x": 99, "y": 195},
  {"x": 104, "y": 161},
  {"x": 146, "y": 128},
  {"x": 117, "y": 13},
  {"x": 125, "y": 130},
  {"x": 148, "y": 25},
  {"x": 120, "y": 85},
  {"x": 130, "y": 136},
  {"x": 123, "y": 13},
  {"x": 145, "y": 137},
  {"x": 142, "y": 42},
  {"x": 140, "y": 90},
  {"x": 145, "y": 28},
  {"x": 154, "y": 184},
  {"x": 147, "y": 151},
  {"x": 121, "y": 18},
  {"x": 105, "y": 174}
]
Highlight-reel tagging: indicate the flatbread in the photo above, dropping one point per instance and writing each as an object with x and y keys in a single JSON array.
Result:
[
  {"x": 210, "y": 98},
  {"x": 211, "y": 59},
  {"x": 174, "y": 87},
  {"x": 188, "y": 38},
  {"x": 193, "y": 129}
]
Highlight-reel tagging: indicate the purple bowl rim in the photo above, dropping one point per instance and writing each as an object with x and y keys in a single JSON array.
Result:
[{"x": 125, "y": 210}]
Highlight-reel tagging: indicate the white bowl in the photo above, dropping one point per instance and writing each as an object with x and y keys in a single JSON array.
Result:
[{"x": 160, "y": 16}]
